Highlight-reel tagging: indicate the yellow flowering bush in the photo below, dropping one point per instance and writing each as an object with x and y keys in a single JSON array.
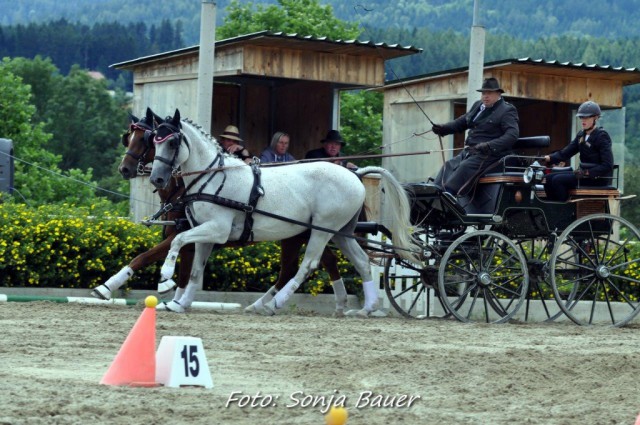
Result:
[
  {"x": 68, "y": 247},
  {"x": 65, "y": 246}
]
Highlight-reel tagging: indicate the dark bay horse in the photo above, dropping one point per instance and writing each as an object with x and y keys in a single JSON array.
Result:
[{"x": 140, "y": 151}]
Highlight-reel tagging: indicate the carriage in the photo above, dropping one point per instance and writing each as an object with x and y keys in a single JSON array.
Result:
[{"x": 504, "y": 251}]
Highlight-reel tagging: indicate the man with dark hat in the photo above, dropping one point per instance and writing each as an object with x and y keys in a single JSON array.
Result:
[
  {"x": 331, "y": 146},
  {"x": 493, "y": 130}
]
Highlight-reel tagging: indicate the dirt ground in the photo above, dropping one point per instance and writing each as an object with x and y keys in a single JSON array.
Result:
[{"x": 52, "y": 357}]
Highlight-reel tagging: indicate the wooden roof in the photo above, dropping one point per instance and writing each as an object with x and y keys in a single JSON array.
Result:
[
  {"x": 289, "y": 41},
  {"x": 625, "y": 76}
]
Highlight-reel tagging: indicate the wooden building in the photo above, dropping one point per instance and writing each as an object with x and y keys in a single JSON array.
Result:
[
  {"x": 546, "y": 94},
  {"x": 263, "y": 82}
]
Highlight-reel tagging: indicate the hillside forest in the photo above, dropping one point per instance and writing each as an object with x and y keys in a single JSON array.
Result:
[{"x": 78, "y": 36}]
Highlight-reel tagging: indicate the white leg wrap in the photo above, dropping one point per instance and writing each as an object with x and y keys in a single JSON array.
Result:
[
  {"x": 169, "y": 266},
  {"x": 340, "y": 293},
  {"x": 285, "y": 293},
  {"x": 178, "y": 294},
  {"x": 260, "y": 302},
  {"x": 119, "y": 279},
  {"x": 187, "y": 297},
  {"x": 370, "y": 296}
]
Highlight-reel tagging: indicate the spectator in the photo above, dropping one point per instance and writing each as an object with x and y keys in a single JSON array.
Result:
[
  {"x": 331, "y": 146},
  {"x": 230, "y": 141},
  {"x": 278, "y": 150}
]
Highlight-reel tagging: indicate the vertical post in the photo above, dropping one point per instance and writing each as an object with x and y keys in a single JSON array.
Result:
[
  {"x": 206, "y": 63},
  {"x": 476, "y": 58},
  {"x": 6, "y": 166}
]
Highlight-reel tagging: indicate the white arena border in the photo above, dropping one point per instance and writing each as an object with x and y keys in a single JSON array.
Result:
[{"x": 198, "y": 305}]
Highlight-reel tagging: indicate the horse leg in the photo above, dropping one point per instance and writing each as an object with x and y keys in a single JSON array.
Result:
[
  {"x": 141, "y": 261},
  {"x": 187, "y": 254},
  {"x": 184, "y": 273},
  {"x": 360, "y": 260},
  {"x": 329, "y": 261},
  {"x": 289, "y": 250},
  {"x": 316, "y": 244},
  {"x": 180, "y": 305}
]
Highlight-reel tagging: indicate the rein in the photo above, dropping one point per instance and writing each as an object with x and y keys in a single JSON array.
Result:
[
  {"x": 250, "y": 209},
  {"x": 304, "y": 161}
]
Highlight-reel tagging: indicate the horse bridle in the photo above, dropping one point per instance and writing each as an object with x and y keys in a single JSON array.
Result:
[
  {"x": 148, "y": 144},
  {"x": 175, "y": 138}
]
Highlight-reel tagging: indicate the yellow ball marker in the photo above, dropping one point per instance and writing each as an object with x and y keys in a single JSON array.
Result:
[
  {"x": 151, "y": 301},
  {"x": 336, "y": 416}
]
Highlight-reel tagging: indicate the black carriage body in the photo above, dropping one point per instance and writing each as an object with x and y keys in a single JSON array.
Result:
[{"x": 505, "y": 201}]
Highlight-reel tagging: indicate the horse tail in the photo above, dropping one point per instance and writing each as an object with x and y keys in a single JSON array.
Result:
[{"x": 401, "y": 227}]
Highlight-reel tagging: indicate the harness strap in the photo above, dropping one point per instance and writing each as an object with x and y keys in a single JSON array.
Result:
[
  {"x": 248, "y": 208},
  {"x": 240, "y": 206},
  {"x": 256, "y": 192}
]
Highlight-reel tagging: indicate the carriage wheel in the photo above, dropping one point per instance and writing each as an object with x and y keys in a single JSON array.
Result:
[
  {"x": 540, "y": 304},
  {"x": 594, "y": 270},
  {"x": 412, "y": 289},
  {"x": 483, "y": 277}
]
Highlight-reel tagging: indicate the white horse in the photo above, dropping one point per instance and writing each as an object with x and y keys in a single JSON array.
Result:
[{"x": 322, "y": 195}]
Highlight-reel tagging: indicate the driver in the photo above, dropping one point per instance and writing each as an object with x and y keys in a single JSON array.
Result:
[{"x": 493, "y": 130}]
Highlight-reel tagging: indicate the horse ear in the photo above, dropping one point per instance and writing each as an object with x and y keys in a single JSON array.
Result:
[
  {"x": 153, "y": 118},
  {"x": 133, "y": 118},
  {"x": 176, "y": 116}
]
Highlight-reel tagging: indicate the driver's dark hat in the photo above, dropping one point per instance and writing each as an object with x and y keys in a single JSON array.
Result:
[
  {"x": 333, "y": 136},
  {"x": 490, "y": 84}
]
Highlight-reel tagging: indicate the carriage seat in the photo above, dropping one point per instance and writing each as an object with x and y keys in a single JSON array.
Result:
[
  {"x": 611, "y": 192},
  {"x": 532, "y": 142},
  {"x": 510, "y": 172}
]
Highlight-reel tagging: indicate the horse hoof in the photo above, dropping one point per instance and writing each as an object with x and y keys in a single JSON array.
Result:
[
  {"x": 338, "y": 313},
  {"x": 101, "y": 292},
  {"x": 175, "y": 307},
  {"x": 253, "y": 308},
  {"x": 362, "y": 313},
  {"x": 357, "y": 313},
  {"x": 162, "y": 306},
  {"x": 268, "y": 309},
  {"x": 166, "y": 286}
]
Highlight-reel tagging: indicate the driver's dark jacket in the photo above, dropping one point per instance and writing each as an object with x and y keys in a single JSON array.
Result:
[
  {"x": 497, "y": 125},
  {"x": 595, "y": 153}
]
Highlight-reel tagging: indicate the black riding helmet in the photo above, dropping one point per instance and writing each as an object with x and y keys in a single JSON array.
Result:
[{"x": 588, "y": 109}]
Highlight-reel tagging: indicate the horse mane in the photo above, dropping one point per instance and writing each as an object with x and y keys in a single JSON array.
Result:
[{"x": 197, "y": 127}]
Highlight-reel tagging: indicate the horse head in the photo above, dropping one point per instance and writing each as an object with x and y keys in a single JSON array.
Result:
[
  {"x": 138, "y": 140},
  {"x": 169, "y": 156}
]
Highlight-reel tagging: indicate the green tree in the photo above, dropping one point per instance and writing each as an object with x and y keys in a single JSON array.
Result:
[
  {"x": 361, "y": 124},
  {"x": 41, "y": 75},
  {"x": 85, "y": 120},
  {"x": 304, "y": 17},
  {"x": 38, "y": 179}
]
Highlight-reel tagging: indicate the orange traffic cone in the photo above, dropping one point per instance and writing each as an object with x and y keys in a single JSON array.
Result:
[{"x": 135, "y": 363}]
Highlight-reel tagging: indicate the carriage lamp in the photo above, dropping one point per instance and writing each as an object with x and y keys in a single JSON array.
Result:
[{"x": 533, "y": 173}]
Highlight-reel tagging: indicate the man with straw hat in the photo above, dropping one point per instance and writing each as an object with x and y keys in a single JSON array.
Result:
[{"x": 230, "y": 141}]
